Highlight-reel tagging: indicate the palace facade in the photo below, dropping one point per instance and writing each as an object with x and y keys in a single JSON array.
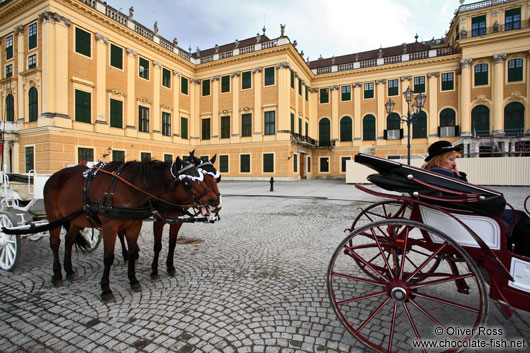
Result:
[{"x": 81, "y": 81}]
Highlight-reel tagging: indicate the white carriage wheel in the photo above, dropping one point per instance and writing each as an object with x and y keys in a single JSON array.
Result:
[{"x": 9, "y": 244}]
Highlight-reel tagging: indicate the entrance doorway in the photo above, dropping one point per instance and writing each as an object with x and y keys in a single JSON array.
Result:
[{"x": 303, "y": 173}]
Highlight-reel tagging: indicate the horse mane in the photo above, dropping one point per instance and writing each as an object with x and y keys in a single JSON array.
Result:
[{"x": 152, "y": 172}]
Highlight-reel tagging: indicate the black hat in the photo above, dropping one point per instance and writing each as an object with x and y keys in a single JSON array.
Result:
[{"x": 439, "y": 148}]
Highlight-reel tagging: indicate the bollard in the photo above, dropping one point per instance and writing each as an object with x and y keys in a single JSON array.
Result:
[{"x": 272, "y": 183}]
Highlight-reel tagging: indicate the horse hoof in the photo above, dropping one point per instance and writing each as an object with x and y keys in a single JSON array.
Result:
[
  {"x": 172, "y": 273},
  {"x": 107, "y": 297},
  {"x": 72, "y": 276},
  {"x": 57, "y": 282},
  {"x": 155, "y": 277},
  {"x": 136, "y": 287}
]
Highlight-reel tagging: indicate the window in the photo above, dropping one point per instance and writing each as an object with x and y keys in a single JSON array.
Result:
[
  {"x": 166, "y": 124},
  {"x": 32, "y": 36},
  {"x": 225, "y": 127},
  {"x": 83, "y": 106},
  {"x": 292, "y": 123},
  {"x": 369, "y": 128},
  {"x": 306, "y": 93},
  {"x": 481, "y": 74},
  {"x": 324, "y": 164},
  {"x": 324, "y": 95},
  {"x": 419, "y": 127},
  {"x": 345, "y": 93},
  {"x": 30, "y": 158},
  {"x": 324, "y": 135},
  {"x": 512, "y": 19},
  {"x": 246, "y": 125},
  {"x": 343, "y": 161},
  {"x": 478, "y": 26},
  {"x": 116, "y": 56},
  {"x": 9, "y": 47},
  {"x": 184, "y": 85},
  {"x": 118, "y": 156},
  {"x": 205, "y": 129},
  {"x": 299, "y": 87},
  {"x": 223, "y": 164},
  {"x": 245, "y": 163},
  {"x": 295, "y": 163},
  {"x": 116, "y": 113},
  {"x": 145, "y": 156},
  {"x": 246, "y": 80},
  {"x": 309, "y": 164},
  {"x": 514, "y": 119},
  {"x": 32, "y": 61},
  {"x": 205, "y": 87},
  {"x": 292, "y": 78},
  {"x": 306, "y": 129},
  {"x": 346, "y": 129},
  {"x": 82, "y": 42},
  {"x": 9, "y": 70},
  {"x": 269, "y": 76},
  {"x": 393, "y": 87},
  {"x": 143, "y": 119},
  {"x": 168, "y": 158},
  {"x": 515, "y": 70},
  {"x": 85, "y": 155},
  {"x": 270, "y": 123},
  {"x": 225, "y": 84},
  {"x": 447, "y": 126},
  {"x": 33, "y": 104},
  {"x": 448, "y": 81},
  {"x": 419, "y": 84},
  {"x": 393, "y": 127},
  {"x": 184, "y": 128},
  {"x": 480, "y": 121},
  {"x": 300, "y": 126},
  {"x": 368, "y": 90},
  {"x": 10, "y": 108},
  {"x": 268, "y": 163},
  {"x": 166, "y": 78},
  {"x": 143, "y": 68}
]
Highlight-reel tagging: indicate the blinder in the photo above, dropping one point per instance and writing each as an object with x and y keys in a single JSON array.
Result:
[{"x": 186, "y": 176}]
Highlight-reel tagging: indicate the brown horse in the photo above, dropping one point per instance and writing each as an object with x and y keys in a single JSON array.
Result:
[
  {"x": 114, "y": 203},
  {"x": 211, "y": 178}
]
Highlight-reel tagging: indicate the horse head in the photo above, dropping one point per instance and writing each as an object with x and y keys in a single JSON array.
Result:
[{"x": 211, "y": 175}]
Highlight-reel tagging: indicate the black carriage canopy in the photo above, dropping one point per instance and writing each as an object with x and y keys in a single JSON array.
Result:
[{"x": 394, "y": 176}]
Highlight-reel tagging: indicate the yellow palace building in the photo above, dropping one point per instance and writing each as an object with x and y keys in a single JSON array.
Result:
[{"x": 82, "y": 81}]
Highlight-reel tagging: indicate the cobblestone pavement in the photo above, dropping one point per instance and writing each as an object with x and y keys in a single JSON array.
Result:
[{"x": 256, "y": 282}]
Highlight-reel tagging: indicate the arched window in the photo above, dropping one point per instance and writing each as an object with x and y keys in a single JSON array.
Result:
[
  {"x": 514, "y": 119},
  {"x": 393, "y": 121},
  {"x": 369, "y": 128},
  {"x": 447, "y": 126},
  {"x": 346, "y": 129},
  {"x": 324, "y": 132},
  {"x": 480, "y": 121},
  {"x": 419, "y": 127},
  {"x": 10, "y": 108},
  {"x": 33, "y": 104}
]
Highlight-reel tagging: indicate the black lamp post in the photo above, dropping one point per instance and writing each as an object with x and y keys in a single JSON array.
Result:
[{"x": 416, "y": 107}]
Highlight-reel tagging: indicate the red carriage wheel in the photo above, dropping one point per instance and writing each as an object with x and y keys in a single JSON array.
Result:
[{"x": 400, "y": 305}]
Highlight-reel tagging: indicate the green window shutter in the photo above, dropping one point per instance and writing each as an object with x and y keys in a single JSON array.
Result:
[
  {"x": 246, "y": 125},
  {"x": 345, "y": 93},
  {"x": 269, "y": 76},
  {"x": 306, "y": 93},
  {"x": 85, "y": 155},
  {"x": 292, "y": 123},
  {"x": 447, "y": 117},
  {"x": 32, "y": 36},
  {"x": 225, "y": 84},
  {"x": 143, "y": 68},
  {"x": 116, "y": 113},
  {"x": 368, "y": 90},
  {"x": 223, "y": 164},
  {"x": 118, "y": 156},
  {"x": 205, "y": 129},
  {"x": 481, "y": 74},
  {"x": 268, "y": 163},
  {"x": 295, "y": 163},
  {"x": 32, "y": 61},
  {"x": 82, "y": 42},
  {"x": 419, "y": 84},
  {"x": 184, "y": 85},
  {"x": 82, "y": 106},
  {"x": 168, "y": 158},
  {"x": 300, "y": 126},
  {"x": 515, "y": 70},
  {"x": 33, "y": 104},
  {"x": 343, "y": 163},
  {"x": 299, "y": 87},
  {"x": 270, "y": 123},
  {"x": 324, "y": 164},
  {"x": 245, "y": 163},
  {"x": 166, "y": 124},
  {"x": 9, "y": 47},
  {"x": 145, "y": 156},
  {"x": 292, "y": 78},
  {"x": 30, "y": 158},
  {"x": 205, "y": 87},
  {"x": 448, "y": 81},
  {"x": 369, "y": 128},
  {"x": 10, "y": 108},
  {"x": 306, "y": 129},
  {"x": 393, "y": 87},
  {"x": 324, "y": 132},
  {"x": 225, "y": 127},
  {"x": 143, "y": 119},
  {"x": 324, "y": 95},
  {"x": 419, "y": 127},
  {"x": 246, "y": 81},
  {"x": 478, "y": 26},
  {"x": 346, "y": 129},
  {"x": 184, "y": 128},
  {"x": 512, "y": 19},
  {"x": 166, "y": 78},
  {"x": 116, "y": 56},
  {"x": 514, "y": 119}
]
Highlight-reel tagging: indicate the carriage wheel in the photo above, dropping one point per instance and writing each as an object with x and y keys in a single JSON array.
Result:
[
  {"x": 93, "y": 237},
  {"x": 399, "y": 304},
  {"x": 389, "y": 209},
  {"x": 9, "y": 244}
]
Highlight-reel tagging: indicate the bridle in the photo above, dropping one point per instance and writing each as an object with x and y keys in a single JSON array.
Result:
[
  {"x": 207, "y": 167},
  {"x": 185, "y": 177}
]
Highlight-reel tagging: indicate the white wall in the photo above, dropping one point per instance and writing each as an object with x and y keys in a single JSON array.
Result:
[{"x": 509, "y": 171}]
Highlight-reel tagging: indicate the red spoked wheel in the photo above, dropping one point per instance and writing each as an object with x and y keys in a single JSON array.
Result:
[{"x": 400, "y": 306}]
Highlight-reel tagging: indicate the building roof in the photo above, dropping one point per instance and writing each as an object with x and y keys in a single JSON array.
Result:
[{"x": 260, "y": 38}]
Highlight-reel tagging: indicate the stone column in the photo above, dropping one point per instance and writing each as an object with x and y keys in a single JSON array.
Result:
[
  {"x": 497, "y": 94},
  {"x": 335, "y": 130},
  {"x": 357, "y": 130},
  {"x": 214, "y": 138},
  {"x": 175, "y": 126},
  {"x": 47, "y": 63},
  {"x": 20, "y": 67},
  {"x": 465, "y": 100},
  {"x": 381, "y": 110},
  {"x": 157, "y": 115},
  {"x": 432, "y": 97},
  {"x": 257, "y": 117},
  {"x": 283, "y": 116},
  {"x": 102, "y": 123},
  {"x": 195, "y": 117},
  {"x": 131, "y": 112},
  {"x": 236, "y": 114},
  {"x": 61, "y": 65}
]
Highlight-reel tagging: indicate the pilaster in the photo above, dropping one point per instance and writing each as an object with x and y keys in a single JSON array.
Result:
[
  {"x": 257, "y": 117},
  {"x": 283, "y": 115},
  {"x": 130, "y": 126},
  {"x": 357, "y": 130},
  {"x": 102, "y": 123},
  {"x": 497, "y": 94},
  {"x": 381, "y": 111},
  {"x": 157, "y": 115},
  {"x": 235, "y": 120},
  {"x": 465, "y": 98},
  {"x": 335, "y": 133},
  {"x": 195, "y": 118},
  {"x": 432, "y": 97},
  {"x": 175, "y": 126},
  {"x": 215, "y": 133}
]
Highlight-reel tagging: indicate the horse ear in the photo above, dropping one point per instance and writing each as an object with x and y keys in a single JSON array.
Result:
[
  {"x": 213, "y": 159},
  {"x": 196, "y": 160},
  {"x": 192, "y": 153}
]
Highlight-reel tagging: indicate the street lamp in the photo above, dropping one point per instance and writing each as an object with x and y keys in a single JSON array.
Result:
[{"x": 416, "y": 108}]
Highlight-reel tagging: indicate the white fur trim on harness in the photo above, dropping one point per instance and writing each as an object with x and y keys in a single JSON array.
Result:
[{"x": 216, "y": 175}]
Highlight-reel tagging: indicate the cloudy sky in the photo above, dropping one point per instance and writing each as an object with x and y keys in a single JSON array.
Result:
[{"x": 321, "y": 27}]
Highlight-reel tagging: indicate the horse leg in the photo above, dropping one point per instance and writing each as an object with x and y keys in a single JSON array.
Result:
[
  {"x": 71, "y": 234},
  {"x": 109, "y": 242},
  {"x": 173, "y": 233},
  {"x": 124, "y": 252},
  {"x": 55, "y": 243},
  {"x": 158, "y": 229},
  {"x": 132, "y": 233}
]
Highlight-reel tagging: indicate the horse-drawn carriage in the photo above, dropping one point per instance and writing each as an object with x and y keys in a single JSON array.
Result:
[{"x": 412, "y": 273}]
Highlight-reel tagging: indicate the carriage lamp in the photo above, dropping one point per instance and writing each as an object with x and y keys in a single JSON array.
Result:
[{"x": 409, "y": 118}]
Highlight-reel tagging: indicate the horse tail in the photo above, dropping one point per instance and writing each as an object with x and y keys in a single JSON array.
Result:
[{"x": 81, "y": 242}]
